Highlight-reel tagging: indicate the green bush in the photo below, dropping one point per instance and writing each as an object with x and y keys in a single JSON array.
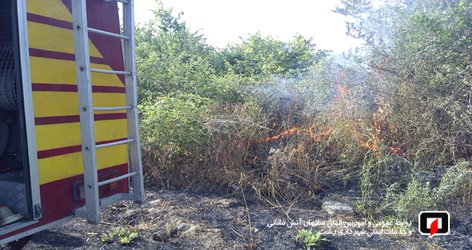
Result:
[
  {"x": 309, "y": 239},
  {"x": 173, "y": 136},
  {"x": 455, "y": 189},
  {"x": 119, "y": 235},
  {"x": 417, "y": 197},
  {"x": 175, "y": 124}
]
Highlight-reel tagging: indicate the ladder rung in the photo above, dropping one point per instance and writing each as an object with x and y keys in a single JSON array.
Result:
[
  {"x": 121, "y": 1},
  {"x": 114, "y": 143},
  {"x": 113, "y": 108},
  {"x": 119, "y": 178},
  {"x": 115, "y": 72},
  {"x": 106, "y": 33}
]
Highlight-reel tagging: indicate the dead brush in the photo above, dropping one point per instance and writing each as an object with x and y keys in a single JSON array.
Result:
[
  {"x": 295, "y": 169},
  {"x": 233, "y": 129},
  {"x": 306, "y": 152},
  {"x": 164, "y": 169},
  {"x": 286, "y": 154}
]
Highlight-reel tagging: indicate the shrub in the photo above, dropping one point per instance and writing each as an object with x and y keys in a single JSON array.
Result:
[
  {"x": 455, "y": 188},
  {"x": 175, "y": 123},
  {"x": 120, "y": 235},
  {"x": 309, "y": 239},
  {"x": 173, "y": 132},
  {"x": 417, "y": 197}
]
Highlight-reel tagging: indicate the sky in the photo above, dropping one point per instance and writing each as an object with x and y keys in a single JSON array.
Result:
[{"x": 225, "y": 21}]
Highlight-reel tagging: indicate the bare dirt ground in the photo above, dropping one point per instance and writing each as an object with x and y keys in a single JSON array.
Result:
[{"x": 182, "y": 220}]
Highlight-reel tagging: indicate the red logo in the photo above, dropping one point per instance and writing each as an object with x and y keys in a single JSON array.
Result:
[
  {"x": 433, "y": 229},
  {"x": 433, "y": 223}
]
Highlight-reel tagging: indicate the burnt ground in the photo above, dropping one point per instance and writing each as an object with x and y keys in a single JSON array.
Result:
[{"x": 182, "y": 220}]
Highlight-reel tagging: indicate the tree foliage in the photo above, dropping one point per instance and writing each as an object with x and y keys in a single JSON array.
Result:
[
  {"x": 172, "y": 59},
  {"x": 418, "y": 55},
  {"x": 267, "y": 57},
  {"x": 184, "y": 84}
]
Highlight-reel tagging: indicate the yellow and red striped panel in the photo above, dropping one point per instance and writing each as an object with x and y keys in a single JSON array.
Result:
[
  {"x": 55, "y": 98},
  {"x": 56, "y": 108}
]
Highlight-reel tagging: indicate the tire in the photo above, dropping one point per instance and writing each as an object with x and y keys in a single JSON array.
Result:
[{"x": 8, "y": 90}]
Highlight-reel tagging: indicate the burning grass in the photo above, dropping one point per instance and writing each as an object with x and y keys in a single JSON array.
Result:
[
  {"x": 296, "y": 155},
  {"x": 281, "y": 149}
]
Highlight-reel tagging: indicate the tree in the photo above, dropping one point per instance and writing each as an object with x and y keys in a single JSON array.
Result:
[
  {"x": 171, "y": 58},
  {"x": 418, "y": 53},
  {"x": 260, "y": 56}
]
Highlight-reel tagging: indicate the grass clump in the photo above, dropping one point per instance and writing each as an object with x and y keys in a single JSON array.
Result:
[
  {"x": 120, "y": 235},
  {"x": 416, "y": 198},
  {"x": 309, "y": 239},
  {"x": 455, "y": 189}
]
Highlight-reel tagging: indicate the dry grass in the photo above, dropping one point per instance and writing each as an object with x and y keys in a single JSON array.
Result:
[{"x": 284, "y": 155}]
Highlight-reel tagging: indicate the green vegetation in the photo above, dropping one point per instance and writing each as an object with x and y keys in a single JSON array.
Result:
[
  {"x": 309, "y": 239},
  {"x": 418, "y": 54},
  {"x": 283, "y": 120},
  {"x": 120, "y": 235}
]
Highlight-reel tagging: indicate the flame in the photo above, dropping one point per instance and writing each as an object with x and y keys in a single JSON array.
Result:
[
  {"x": 291, "y": 131},
  {"x": 395, "y": 150},
  {"x": 368, "y": 136},
  {"x": 372, "y": 139},
  {"x": 321, "y": 136}
]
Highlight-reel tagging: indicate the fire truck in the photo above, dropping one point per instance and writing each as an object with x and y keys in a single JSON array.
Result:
[{"x": 69, "y": 139}]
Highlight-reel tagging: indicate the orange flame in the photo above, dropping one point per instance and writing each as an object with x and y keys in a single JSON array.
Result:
[
  {"x": 395, "y": 150},
  {"x": 321, "y": 136},
  {"x": 373, "y": 140},
  {"x": 370, "y": 137},
  {"x": 291, "y": 131}
]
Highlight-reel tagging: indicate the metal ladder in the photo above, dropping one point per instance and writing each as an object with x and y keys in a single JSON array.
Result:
[{"x": 93, "y": 203}]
